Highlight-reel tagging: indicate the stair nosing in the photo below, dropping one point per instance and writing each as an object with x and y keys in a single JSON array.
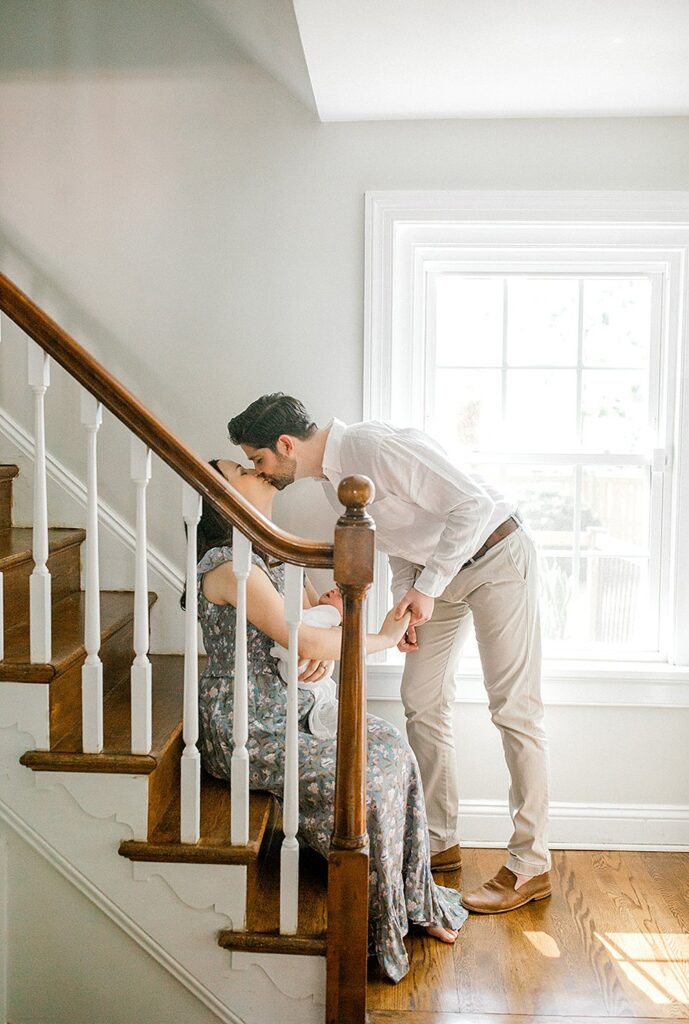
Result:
[
  {"x": 77, "y": 536},
  {"x": 202, "y": 852},
  {"x": 273, "y": 942}
]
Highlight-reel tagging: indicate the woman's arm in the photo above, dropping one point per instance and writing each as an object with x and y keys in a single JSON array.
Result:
[{"x": 265, "y": 609}]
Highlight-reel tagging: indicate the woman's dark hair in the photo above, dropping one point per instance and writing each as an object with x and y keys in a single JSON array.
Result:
[
  {"x": 262, "y": 422},
  {"x": 213, "y": 530}
]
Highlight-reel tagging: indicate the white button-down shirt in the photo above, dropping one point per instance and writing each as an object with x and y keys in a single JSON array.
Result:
[{"x": 430, "y": 516}]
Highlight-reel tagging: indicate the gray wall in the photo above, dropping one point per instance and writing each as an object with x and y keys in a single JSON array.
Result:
[{"x": 202, "y": 233}]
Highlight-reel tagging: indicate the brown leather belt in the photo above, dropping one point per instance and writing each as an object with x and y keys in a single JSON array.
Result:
[{"x": 498, "y": 534}]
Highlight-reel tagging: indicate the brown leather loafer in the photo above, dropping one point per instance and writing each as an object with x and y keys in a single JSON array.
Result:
[
  {"x": 499, "y": 894},
  {"x": 447, "y": 860}
]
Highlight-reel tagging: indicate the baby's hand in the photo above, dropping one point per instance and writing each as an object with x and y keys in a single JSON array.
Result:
[{"x": 314, "y": 670}]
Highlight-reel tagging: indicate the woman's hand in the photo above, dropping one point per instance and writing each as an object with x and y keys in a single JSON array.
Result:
[
  {"x": 314, "y": 670},
  {"x": 393, "y": 629}
]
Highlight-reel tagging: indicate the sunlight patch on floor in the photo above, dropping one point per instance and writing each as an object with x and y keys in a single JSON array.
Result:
[
  {"x": 657, "y": 963},
  {"x": 544, "y": 943}
]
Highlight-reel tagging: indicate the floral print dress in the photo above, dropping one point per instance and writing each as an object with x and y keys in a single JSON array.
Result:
[{"x": 401, "y": 887}]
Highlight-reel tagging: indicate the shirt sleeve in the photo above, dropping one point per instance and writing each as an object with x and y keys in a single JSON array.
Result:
[
  {"x": 410, "y": 467},
  {"x": 403, "y": 577}
]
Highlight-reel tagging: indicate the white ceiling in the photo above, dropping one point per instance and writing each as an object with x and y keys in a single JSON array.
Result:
[{"x": 389, "y": 59}]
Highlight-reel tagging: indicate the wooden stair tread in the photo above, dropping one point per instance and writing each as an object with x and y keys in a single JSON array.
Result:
[
  {"x": 16, "y": 543},
  {"x": 262, "y": 933},
  {"x": 117, "y": 608},
  {"x": 214, "y": 846},
  {"x": 168, "y": 702}
]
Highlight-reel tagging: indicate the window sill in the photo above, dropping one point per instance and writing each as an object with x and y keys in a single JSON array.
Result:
[{"x": 569, "y": 684}]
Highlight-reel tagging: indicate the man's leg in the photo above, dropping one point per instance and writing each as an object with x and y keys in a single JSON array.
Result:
[
  {"x": 428, "y": 690},
  {"x": 507, "y": 627}
]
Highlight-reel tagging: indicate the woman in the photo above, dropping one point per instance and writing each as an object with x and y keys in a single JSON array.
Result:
[{"x": 401, "y": 888}]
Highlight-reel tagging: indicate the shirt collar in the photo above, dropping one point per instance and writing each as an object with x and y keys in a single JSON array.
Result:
[{"x": 332, "y": 465}]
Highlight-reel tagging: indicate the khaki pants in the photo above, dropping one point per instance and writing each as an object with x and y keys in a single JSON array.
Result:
[{"x": 500, "y": 591}]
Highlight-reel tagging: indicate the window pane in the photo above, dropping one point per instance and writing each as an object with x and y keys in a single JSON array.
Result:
[
  {"x": 603, "y": 604},
  {"x": 541, "y": 410},
  {"x": 542, "y": 321},
  {"x": 467, "y": 408},
  {"x": 544, "y": 496},
  {"x": 468, "y": 321},
  {"x": 614, "y": 410},
  {"x": 615, "y": 503},
  {"x": 557, "y": 590},
  {"x": 614, "y": 592},
  {"x": 617, "y": 322}
]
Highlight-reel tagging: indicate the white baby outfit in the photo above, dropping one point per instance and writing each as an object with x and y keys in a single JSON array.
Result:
[{"x": 323, "y": 715}]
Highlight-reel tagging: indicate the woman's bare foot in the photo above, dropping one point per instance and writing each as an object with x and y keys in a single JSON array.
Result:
[{"x": 443, "y": 934}]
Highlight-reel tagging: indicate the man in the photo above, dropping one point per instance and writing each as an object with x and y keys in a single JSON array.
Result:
[{"x": 456, "y": 548}]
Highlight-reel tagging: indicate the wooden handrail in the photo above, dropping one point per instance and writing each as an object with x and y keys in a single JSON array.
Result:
[{"x": 81, "y": 365}]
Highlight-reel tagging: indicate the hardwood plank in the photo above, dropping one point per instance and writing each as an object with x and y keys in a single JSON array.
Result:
[
  {"x": 117, "y": 608},
  {"x": 7, "y": 474},
  {"x": 263, "y": 906},
  {"x": 116, "y": 653},
  {"x": 546, "y": 961},
  {"x": 426, "y": 1017},
  {"x": 67, "y": 754},
  {"x": 214, "y": 846},
  {"x": 647, "y": 947},
  {"x": 16, "y": 563},
  {"x": 163, "y": 785}
]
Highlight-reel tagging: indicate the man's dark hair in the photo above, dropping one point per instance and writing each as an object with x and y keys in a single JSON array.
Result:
[{"x": 262, "y": 422}]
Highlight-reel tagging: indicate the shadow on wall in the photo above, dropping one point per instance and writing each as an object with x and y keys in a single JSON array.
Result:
[
  {"x": 44, "y": 288},
  {"x": 101, "y": 36}
]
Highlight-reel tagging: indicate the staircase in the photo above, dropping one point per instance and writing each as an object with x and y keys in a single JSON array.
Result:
[
  {"x": 64, "y": 753},
  {"x": 85, "y": 709}
]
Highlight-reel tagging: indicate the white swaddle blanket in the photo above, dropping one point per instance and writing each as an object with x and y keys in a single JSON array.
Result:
[{"x": 323, "y": 715}]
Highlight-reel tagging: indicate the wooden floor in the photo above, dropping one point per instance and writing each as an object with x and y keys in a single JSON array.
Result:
[{"x": 611, "y": 943}]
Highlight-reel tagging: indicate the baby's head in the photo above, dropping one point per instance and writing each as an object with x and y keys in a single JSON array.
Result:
[{"x": 333, "y": 598}]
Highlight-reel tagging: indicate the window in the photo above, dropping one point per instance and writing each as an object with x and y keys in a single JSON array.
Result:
[
  {"x": 539, "y": 340},
  {"x": 547, "y": 385}
]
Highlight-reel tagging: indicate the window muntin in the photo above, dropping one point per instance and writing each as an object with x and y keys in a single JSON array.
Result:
[{"x": 547, "y": 384}]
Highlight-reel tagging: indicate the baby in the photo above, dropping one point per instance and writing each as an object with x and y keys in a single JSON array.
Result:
[{"x": 323, "y": 715}]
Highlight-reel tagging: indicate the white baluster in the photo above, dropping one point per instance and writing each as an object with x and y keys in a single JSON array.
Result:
[
  {"x": 190, "y": 818},
  {"x": 239, "y": 815},
  {"x": 289, "y": 854},
  {"x": 92, "y": 669},
  {"x": 2, "y": 581},
  {"x": 142, "y": 698},
  {"x": 40, "y": 583}
]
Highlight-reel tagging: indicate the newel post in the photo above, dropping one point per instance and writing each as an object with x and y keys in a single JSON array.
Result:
[{"x": 347, "y": 943}]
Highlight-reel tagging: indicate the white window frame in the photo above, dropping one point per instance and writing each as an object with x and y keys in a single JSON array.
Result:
[{"x": 410, "y": 236}]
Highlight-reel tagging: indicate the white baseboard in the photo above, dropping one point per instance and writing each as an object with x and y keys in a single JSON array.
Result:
[{"x": 486, "y": 823}]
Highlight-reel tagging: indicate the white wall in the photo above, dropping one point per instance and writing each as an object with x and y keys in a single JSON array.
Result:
[
  {"x": 202, "y": 233},
  {"x": 66, "y": 962}
]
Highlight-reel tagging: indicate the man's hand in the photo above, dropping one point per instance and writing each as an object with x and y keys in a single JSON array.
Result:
[{"x": 421, "y": 608}]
